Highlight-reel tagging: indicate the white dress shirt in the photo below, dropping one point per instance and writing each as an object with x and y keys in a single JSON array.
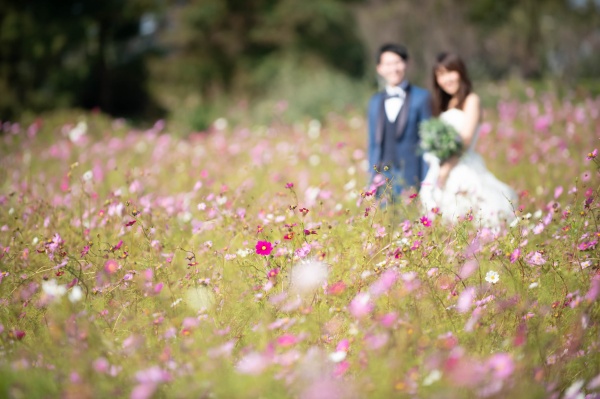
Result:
[{"x": 393, "y": 105}]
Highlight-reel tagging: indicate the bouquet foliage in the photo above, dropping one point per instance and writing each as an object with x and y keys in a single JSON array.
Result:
[{"x": 440, "y": 139}]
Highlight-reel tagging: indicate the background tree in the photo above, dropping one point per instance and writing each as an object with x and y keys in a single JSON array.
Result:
[
  {"x": 135, "y": 58},
  {"x": 73, "y": 53}
]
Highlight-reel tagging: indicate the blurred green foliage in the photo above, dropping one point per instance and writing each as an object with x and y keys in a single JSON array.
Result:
[
  {"x": 192, "y": 61},
  {"x": 73, "y": 53}
]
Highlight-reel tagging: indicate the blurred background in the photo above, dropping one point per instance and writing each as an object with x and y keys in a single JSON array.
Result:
[{"x": 191, "y": 62}]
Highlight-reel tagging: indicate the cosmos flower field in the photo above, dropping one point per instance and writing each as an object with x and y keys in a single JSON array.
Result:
[{"x": 253, "y": 262}]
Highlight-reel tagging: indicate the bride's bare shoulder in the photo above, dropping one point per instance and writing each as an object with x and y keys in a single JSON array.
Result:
[{"x": 472, "y": 100}]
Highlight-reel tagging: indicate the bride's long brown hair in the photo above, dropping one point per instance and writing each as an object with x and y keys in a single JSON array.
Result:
[{"x": 441, "y": 99}]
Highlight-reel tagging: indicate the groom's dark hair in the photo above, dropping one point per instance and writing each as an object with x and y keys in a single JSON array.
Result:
[{"x": 392, "y": 48}]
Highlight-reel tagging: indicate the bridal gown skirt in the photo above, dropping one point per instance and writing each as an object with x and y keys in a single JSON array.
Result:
[{"x": 470, "y": 189}]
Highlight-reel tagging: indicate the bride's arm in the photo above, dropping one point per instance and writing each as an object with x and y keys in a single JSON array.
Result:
[{"x": 472, "y": 110}]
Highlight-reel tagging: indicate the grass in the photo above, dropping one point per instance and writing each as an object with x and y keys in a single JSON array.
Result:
[{"x": 159, "y": 233}]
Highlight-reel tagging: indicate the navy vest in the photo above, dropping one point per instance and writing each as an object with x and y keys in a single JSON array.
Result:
[{"x": 389, "y": 155}]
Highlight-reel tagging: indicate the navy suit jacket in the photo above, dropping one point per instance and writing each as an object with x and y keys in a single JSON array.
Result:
[{"x": 407, "y": 141}]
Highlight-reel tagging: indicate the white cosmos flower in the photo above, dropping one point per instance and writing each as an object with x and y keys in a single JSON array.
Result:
[
  {"x": 308, "y": 275},
  {"x": 53, "y": 289},
  {"x": 492, "y": 277},
  {"x": 243, "y": 252},
  {"x": 75, "y": 294},
  {"x": 87, "y": 176},
  {"x": 78, "y": 131},
  {"x": 434, "y": 376},
  {"x": 337, "y": 356}
]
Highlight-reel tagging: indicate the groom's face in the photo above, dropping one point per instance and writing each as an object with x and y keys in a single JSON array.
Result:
[{"x": 392, "y": 68}]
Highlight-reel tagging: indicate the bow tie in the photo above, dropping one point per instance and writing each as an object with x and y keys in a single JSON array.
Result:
[{"x": 396, "y": 92}]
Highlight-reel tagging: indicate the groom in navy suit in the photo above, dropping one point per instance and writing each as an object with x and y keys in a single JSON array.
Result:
[{"x": 394, "y": 117}]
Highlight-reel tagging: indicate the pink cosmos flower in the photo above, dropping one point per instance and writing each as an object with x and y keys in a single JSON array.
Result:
[
  {"x": 158, "y": 288},
  {"x": 592, "y": 294},
  {"x": 111, "y": 266},
  {"x": 384, "y": 283},
  {"x": 18, "y": 334},
  {"x": 501, "y": 365},
  {"x": 468, "y": 269},
  {"x": 376, "y": 341},
  {"x": 465, "y": 300},
  {"x": 253, "y": 363},
  {"x": 264, "y": 248},
  {"x": 425, "y": 221},
  {"x": 336, "y": 288},
  {"x": 287, "y": 340},
  {"x": 101, "y": 365},
  {"x": 535, "y": 258},
  {"x": 515, "y": 255},
  {"x": 584, "y": 246},
  {"x": 148, "y": 381},
  {"x": 361, "y": 306},
  {"x": 538, "y": 228},
  {"x": 341, "y": 368},
  {"x": 542, "y": 123},
  {"x": 273, "y": 273},
  {"x": 593, "y": 154},
  {"x": 388, "y": 320},
  {"x": 343, "y": 345},
  {"x": 557, "y": 192},
  {"x": 305, "y": 250}
]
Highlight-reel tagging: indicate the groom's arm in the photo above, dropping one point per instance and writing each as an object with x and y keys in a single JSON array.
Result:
[
  {"x": 426, "y": 107},
  {"x": 371, "y": 142},
  {"x": 424, "y": 114}
]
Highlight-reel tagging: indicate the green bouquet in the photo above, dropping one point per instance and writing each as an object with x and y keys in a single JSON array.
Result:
[{"x": 440, "y": 139}]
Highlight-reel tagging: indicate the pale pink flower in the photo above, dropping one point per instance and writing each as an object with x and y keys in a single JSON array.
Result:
[
  {"x": 343, "y": 345},
  {"x": 158, "y": 288},
  {"x": 222, "y": 350},
  {"x": 253, "y": 363},
  {"x": 148, "y": 381},
  {"x": 468, "y": 269},
  {"x": 101, "y": 365},
  {"x": 592, "y": 294},
  {"x": 535, "y": 258},
  {"x": 388, "y": 320},
  {"x": 361, "y": 306},
  {"x": 465, "y": 300},
  {"x": 515, "y": 255},
  {"x": 501, "y": 365},
  {"x": 384, "y": 283},
  {"x": 326, "y": 388},
  {"x": 376, "y": 341},
  {"x": 341, "y": 368},
  {"x": 303, "y": 251},
  {"x": 557, "y": 192},
  {"x": 475, "y": 316}
]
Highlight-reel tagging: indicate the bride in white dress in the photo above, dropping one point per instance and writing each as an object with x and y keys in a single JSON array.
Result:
[{"x": 462, "y": 186}]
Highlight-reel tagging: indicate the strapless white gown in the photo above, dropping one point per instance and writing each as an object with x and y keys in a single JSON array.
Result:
[{"x": 469, "y": 188}]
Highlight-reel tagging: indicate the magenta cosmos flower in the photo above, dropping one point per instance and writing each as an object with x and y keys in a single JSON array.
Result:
[
  {"x": 264, "y": 248},
  {"x": 425, "y": 221}
]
